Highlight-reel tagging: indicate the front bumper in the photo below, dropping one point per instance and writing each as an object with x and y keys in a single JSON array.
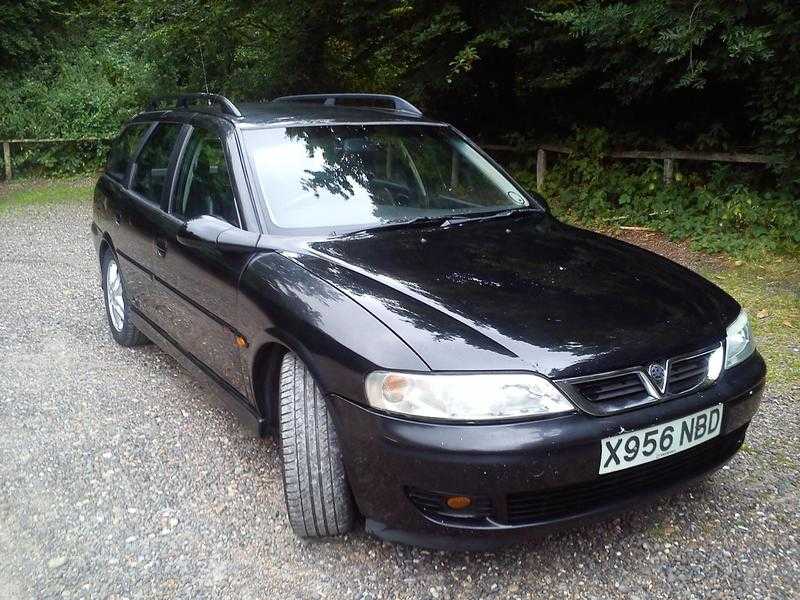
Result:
[{"x": 550, "y": 465}]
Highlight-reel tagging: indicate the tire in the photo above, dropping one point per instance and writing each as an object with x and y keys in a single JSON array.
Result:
[
  {"x": 318, "y": 498},
  {"x": 115, "y": 297}
]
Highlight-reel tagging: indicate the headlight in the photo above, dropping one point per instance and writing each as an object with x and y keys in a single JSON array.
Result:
[
  {"x": 466, "y": 397},
  {"x": 739, "y": 343}
]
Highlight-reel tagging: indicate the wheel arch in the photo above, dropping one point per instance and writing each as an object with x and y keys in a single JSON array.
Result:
[
  {"x": 266, "y": 369},
  {"x": 105, "y": 245},
  {"x": 265, "y": 373}
]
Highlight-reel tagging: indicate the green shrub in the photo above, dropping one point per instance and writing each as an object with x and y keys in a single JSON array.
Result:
[
  {"x": 88, "y": 92},
  {"x": 58, "y": 159},
  {"x": 718, "y": 209}
]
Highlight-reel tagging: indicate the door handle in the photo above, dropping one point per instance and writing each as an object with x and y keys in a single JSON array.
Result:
[{"x": 160, "y": 247}]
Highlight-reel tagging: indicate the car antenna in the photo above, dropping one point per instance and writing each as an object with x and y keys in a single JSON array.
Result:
[{"x": 203, "y": 64}]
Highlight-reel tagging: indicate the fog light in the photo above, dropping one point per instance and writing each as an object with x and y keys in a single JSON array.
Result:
[{"x": 459, "y": 502}]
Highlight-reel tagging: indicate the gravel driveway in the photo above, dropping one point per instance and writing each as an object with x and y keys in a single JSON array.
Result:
[{"x": 119, "y": 479}]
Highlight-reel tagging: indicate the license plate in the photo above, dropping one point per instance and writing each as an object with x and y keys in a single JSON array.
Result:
[{"x": 646, "y": 445}]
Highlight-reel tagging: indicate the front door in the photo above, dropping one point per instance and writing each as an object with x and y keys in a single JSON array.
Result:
[{"x": 196, "y": 288}]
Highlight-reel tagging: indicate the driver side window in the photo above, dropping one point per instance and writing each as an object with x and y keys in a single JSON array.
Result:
[{"x": 204, "y": 185}]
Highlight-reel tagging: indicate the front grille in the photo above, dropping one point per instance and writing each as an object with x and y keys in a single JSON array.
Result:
[
  {"x": 607, "y": 393},
  {"x": 532, "y": 507},
  {"x": 628, "y": 387},
  {"x": 687, "y": 373}
]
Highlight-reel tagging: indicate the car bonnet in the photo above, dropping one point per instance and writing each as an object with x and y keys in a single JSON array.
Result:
[{"x": 524, "y": 294}]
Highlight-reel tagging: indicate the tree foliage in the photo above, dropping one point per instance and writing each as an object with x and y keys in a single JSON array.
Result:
[{"x": 719, "y": 74}]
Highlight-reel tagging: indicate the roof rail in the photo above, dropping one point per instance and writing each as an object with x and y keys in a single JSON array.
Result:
[
  {"x": 375, "y": 101},
  {"x": 184, "y": 100}
]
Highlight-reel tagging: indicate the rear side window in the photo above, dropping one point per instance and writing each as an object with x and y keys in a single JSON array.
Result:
[
  {"x": 153, "y": 162},
  {"x": 122, "y": 149}
]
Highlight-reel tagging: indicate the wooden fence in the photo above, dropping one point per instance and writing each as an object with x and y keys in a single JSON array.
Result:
[
  {"x": 669, "y": 157},
  {"x": 7, "y": 147}
]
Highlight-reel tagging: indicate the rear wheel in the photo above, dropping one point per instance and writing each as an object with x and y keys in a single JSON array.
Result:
[
  {"x": 318, "y": 498},
  {"x": 122, "y": 328}
]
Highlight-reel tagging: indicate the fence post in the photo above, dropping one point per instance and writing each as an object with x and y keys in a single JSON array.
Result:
[
  {"x": 541, "y": 168},
  {"x": 7, "y": 159},
  {"x": 669, "y": 166}
]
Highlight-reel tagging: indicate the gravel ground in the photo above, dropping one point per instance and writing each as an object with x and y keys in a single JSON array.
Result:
[{"x": 119, "y": 479}]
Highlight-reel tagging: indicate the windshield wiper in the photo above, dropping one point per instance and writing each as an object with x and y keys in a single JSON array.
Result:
[
  {"x": 442, "y": 220},
  {"x": 415, "y": 222},
  {"x": 463, "y": 218}
]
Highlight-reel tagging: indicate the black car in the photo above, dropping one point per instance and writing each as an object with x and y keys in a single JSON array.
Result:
[{"x": 431, "y": 348}]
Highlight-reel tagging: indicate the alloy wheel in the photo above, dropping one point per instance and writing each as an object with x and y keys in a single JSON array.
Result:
[{"x": 116, "y": 302}]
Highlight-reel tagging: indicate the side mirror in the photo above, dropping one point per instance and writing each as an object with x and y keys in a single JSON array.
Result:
[{"x": 210, "y": 232}]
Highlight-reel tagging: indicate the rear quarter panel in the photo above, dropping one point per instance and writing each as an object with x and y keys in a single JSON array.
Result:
[{"x": 101, "y": 204}]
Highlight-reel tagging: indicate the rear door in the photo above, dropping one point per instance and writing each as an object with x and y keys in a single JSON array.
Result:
[
  {"x": 114, "y": 208},
  {"x": 138, "y": 217},
  {"x": 196, "y": 288}
]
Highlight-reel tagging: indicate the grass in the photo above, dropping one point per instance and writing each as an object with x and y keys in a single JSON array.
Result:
[
  {"x": 24, "y": 192},
  {"x": 769, "y": 290},
  {"x": 768, "y": 287}
]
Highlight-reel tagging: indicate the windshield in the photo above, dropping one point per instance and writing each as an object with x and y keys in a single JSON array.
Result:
[{"x": 348, "y": 177}]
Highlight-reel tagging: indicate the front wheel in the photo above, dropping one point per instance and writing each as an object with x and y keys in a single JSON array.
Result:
[
  {"x": 122, "y": 328},
  {"x": 318, "y": 498}
]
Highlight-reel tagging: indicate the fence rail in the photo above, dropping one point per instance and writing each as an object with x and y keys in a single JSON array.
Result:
[
  {"x": 7, "y": 147},
  {"x": 669, "y": 157}
]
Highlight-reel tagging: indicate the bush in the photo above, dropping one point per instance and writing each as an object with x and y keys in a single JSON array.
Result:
[
  {"x": 88, "y": 92},
  {"x": 719, "y": 209}
]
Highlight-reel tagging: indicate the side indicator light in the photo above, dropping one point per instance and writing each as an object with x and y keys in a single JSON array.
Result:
[
  {"x": 459, "y": 502},
  {"x": 240, "y": 342}
]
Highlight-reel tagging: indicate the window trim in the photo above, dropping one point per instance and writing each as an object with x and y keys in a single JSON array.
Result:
[
  {"x": 255, "y": 219},
  {"x": 174, "y": 165}
]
